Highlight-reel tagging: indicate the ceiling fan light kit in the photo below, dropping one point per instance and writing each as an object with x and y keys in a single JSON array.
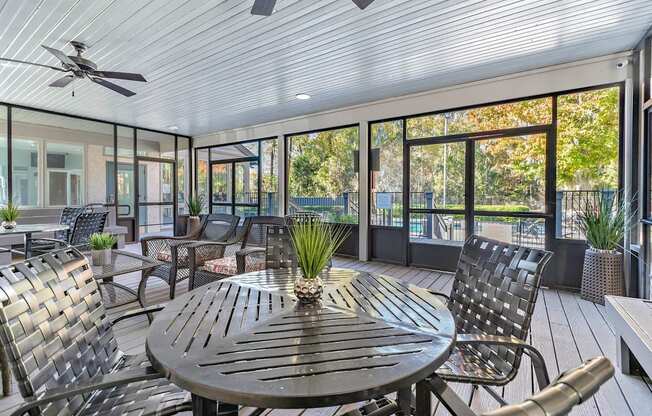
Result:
[{"x": 80, "y": 68}]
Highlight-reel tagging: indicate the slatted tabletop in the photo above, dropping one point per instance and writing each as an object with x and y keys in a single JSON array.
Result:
[{"x": 246, "y": 340}]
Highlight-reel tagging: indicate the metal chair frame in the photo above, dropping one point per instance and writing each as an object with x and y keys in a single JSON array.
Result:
[{"x": 60, "y": 343}]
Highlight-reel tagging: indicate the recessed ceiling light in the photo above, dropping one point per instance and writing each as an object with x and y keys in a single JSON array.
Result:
[
  {"x": 303, "y": 96},
  {"x": 173, "y": 128}
]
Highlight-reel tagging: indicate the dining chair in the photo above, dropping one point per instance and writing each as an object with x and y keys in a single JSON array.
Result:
[
  {"x": 571, "y": 388},
  {"x": 279, "y": 249},
  {"x": 495, "y": 288},
  {"x": 61, "y": 347},
  {"x": 173, "y": 251},
  {"x": 212, "y": 261},
  {"x": 84, "y": 225}
]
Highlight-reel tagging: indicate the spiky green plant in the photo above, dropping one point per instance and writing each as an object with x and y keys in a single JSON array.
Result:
[
  {"x": 9, "y": 213},
  {"x": 101, "y": 241},
  {"x": 315, "y": 242},
  {"x": 605, "y": 221},
  {"x": 195, "y": 205}
]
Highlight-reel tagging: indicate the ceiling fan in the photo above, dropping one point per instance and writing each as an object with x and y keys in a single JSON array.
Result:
[
  {"x": 266, "y": 7},
  {"x": 80, "y": 67}
]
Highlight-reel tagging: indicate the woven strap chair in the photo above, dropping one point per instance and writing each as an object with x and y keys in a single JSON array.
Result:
[
  {"x": 494, "y": 292},
  {"x": 568, "y": 390},
  {"x": 85, "y": 225},
  {"x": 61, "y": 347},
  {"x": 173, "y": 251},
  {"x": 279, "y": 251},
  {"x": 211, "y": 261}
]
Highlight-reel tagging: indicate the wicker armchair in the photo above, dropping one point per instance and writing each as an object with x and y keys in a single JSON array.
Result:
[
  {"x": 85, "y": 224},
  {"x": 211, "y": 261},
  {"x": 173, "y": 251},
  {"x": 61, "y": 346}
]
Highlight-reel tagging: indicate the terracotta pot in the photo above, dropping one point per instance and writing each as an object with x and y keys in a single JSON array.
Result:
[
  {"x": 602, "y": 275},
  {"x": 193, "y": 224}
]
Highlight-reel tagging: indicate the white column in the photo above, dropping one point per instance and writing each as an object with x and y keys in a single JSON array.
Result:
[
  {"x": 363, "y": 187},
  {"x": 281, "y": 176}
]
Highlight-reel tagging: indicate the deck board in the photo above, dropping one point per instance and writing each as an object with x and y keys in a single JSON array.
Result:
[{"x": 565, "y": 328}]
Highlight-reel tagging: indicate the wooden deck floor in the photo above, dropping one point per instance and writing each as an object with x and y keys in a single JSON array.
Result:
[{"x": 566, "y": 329}]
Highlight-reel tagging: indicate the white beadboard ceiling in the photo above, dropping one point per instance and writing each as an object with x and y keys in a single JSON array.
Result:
[{"x": 211, "y": 65}]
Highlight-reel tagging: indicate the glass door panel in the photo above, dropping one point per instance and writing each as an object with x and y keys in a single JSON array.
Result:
[
  {"x": 155, "y": 197},
  {"x": 246, "y": 182},
  {"x": 221, "y": 178}
]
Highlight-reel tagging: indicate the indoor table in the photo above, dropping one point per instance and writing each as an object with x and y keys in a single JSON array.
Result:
[
  {"x": 28, "y": 229},
  {"x": 246, "y": 341}
]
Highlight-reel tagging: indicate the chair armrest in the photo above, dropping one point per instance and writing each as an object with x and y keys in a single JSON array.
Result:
[
  {"x": 93, "y": 384},
  {"x": 137, "y": 312},
  {"x": 249, "y": 250},
  {"x": 50, "y": 240},
  {"x": 241, "y": 256},
  {"x": 543, "y": 379}
]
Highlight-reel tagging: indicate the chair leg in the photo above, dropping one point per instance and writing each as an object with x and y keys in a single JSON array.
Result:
[
  {"x": 474, "y": 388},
  {"x": 448, "y": 398},
  {"x": 540, "y": 370},
  {"x": 6, "y": 372},
  {"x": 497, "y": 397}
]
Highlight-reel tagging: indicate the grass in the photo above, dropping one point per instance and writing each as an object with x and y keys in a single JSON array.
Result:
[
  {"x": 315, "y": 242},
  {"x": 101, "y": 241},
  {"x": 10, "y": 213}
]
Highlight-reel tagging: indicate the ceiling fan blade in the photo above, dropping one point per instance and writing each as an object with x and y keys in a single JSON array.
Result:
[
  {"x": 263, "y": 7},
  {"x": 113, "y": 87},
  {"x": 120, "y": 75},
  {"x": 362, "y": 4},
  {"x": 61, "y": 56},
  {"x": 62, "y": 82},
  {"x": 32, "y": 63}
]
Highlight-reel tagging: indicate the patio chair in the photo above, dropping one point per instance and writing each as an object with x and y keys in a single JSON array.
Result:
[
  {"x": 568, "y": 390},
  {"x": 61, "y": 347},
  {"x": 84, "y": 225},
  {"x": 67, "y": 217},
  {"x": 211, "y": 261},
  {"x": 494, "y": 292},
  {"x": 279, "y": 249},
  {"x": 173, "y": 251}
]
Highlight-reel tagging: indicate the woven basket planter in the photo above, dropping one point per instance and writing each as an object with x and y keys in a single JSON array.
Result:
[{"x": 602, "y": 275}]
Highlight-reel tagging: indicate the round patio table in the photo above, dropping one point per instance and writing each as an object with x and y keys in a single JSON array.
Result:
[
  {"x": 28, "y": 229},
  {"x": 247, "y": 341}
]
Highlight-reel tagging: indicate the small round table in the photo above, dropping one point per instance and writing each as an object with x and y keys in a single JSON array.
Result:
[
  {"x": 245, "y": 340},
  {"x": 28, "y": 229}
]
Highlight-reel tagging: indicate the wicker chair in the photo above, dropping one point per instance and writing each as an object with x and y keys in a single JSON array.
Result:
[
  {"x": 61, "y": 346},
  {"x": 85, "y": 224},
  {"x": 173, "y": 251},
  {"x": 211, "y": 261}
]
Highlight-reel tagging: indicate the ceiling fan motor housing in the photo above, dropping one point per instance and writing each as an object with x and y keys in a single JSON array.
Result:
[{"x": 83, "y": 64}]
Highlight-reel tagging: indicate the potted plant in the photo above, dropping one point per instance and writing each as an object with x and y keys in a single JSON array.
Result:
[
  {"x": 9, "y": 215},
  {"x": 604, "y": 223},
  {"x": 195, "y": 205},
  {"x": 101, "y": 245},
  {"x": 315, "y": 242}
]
